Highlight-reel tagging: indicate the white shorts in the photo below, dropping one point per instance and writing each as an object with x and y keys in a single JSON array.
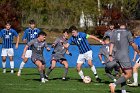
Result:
[
  {"x": 7, "y": 52},
  {"x": 85, "y": 56},
  {"x": 28, "y": 54}
]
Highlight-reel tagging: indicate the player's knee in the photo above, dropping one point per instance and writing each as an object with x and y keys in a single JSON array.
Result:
[
  {"x": 4, "y": 59},
  {"x": 52, "y": 67}
]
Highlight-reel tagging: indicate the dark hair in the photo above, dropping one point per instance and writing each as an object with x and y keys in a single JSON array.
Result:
[
  {"x": 106, "y": 38},
  {"x": 42, "y": 33},
  {"x": 111, "y": 23},
  {"x": 65, "y": 30},
  {"x": 32, "y": 21},
  {"x": 8, "y": 22},
  {"x": 72, "y": 28}
]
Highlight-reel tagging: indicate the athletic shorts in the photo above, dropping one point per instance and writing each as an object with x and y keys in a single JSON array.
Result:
[
  {"x": 28, "y": 54},
  {"x": 85, "y": 56},
  {"x": 35, "y": 58},
  {"x": 58, "y": 58},
  {"x": 125, "y": 65},
  {"x": 7, "y": 52}
]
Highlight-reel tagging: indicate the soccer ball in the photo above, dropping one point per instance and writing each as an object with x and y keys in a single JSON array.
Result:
[{"x": 87, "y": 79}]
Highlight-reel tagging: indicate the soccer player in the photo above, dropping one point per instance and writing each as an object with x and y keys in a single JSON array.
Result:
[
  {"x": 137, "y": 64},
  {"x": 121, "y": 40},
  {"x": 104, "y": 51},
  {"x": 29, "y": 34},
  {"x": 37, "y": 58},
  {"x": 58, "y": 54},
  {"x": 7, "y": 34},
  {"x": 80, "y": 39},
  {"x": 110, "y": 31}
]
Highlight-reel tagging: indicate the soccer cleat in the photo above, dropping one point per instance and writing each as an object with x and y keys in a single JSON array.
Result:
[
  {"x": 42, "y": 80},
  {"x": 129, "y": 81},
  {"x": 63, "y": 78},
  {"x": 4, "y": 71},
  {"x": 46, "y": 79},
  {"x": 133, "y": 84},
  {"x": 18, "y": 74},
  {"x": 98, "y": 79}
]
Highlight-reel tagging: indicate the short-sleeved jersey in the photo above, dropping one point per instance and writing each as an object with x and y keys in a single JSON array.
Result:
[
  {"x": 8, "y": 36},
  {"x": 81, "y": 41},
  {"x": 137, "y": 41},
  {"x": 37, "y": 47},
  {"x": 121, "y": 39},
  {"x": 104, "y": 50},
  {"x": 30, "y": 34},
  {"x": 59, "y": 48},
  {"x": 109, "y": 33}
]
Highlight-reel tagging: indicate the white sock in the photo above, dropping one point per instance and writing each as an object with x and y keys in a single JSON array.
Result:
[
  {"x": 135, "y": 77},
  {"x": 21, "y": 66},
  {"x": 4, "y": 65},
  {"x": 12, "y": 64},
  {"x": 94, "y": 71},
  {"x": 81, "y": 74},
  {"x": 123, "y": 91}
]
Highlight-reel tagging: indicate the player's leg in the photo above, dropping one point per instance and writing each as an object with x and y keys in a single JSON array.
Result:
[
  {"x": 121, "y": 80},
  {"x": 135, "y": 75},
  {"x": 21, "y": 66},
  {"x": 65, "y": 63},
  {"x": 93, "y": 70},
  {"x": 3, "y": 55},
  {"x": 108, "y": 69},
  {"x": 108, "y": 73},
  {"x": 53, "y": 64},
  {"x": 11, "y": 54},
  {"x": 11, "y": 64},
  {"x": 28, "y": 54},
  {"x": 79, "y": 70},
  {"x": 80, "y": 61},
  {"x": 38, "y": 63},
  {"x": 4, "y": 64}
]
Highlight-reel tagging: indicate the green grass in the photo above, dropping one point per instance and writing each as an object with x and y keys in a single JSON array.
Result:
[{"x": 29, "y": 82}]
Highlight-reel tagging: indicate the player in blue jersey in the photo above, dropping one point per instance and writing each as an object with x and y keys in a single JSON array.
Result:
[
  {"x": 29, "y": 34},
  {"x": 80, "y": 39},
  {"x": 137, "y": 64},
  {"x": 7, "y": 34}
]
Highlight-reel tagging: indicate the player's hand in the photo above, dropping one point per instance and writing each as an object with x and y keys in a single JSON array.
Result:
[
  {"x": 70, "y": 54},
  {"x": 16, "y": 46},
  {"x": 133, "y": 59},
  {"x": 52, "y": 45}
]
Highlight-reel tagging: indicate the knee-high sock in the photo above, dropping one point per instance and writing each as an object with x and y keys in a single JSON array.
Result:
[
  {"x": 41, "y": 74},
  {"x": 135, "y": 77},
  {"x": 12, "y": 65},
  {"x": 81, "y": 74},
  {"x": 49, "y": 71},
  {"x": 4, "y": 65},
  {"x": 123, "y": 87},
  {"x": 21, "y": 66},
  {"x": 121, "y": 80},
  {"x": 65, "y": 72},
  {"x": 94, "y": 71}
]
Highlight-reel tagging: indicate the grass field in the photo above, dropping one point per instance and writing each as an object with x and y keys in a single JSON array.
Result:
[{"x": 29, "y": 82}]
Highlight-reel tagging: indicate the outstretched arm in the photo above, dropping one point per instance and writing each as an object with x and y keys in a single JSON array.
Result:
[{"x": 95, "y": 38}]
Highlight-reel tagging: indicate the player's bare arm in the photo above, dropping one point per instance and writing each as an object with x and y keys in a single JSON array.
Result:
[
  {"x": 17, "y": 41},
  {"x": 110, "y": 52},
  {"x": 24, "y": 51},
  {"x": 93, "y": 37}
]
